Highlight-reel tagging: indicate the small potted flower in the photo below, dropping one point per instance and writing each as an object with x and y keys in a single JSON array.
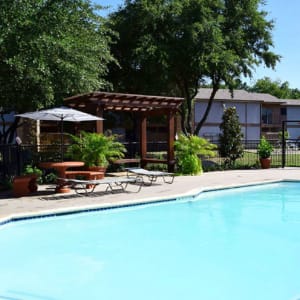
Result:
[{"x": 264, "y": 150}]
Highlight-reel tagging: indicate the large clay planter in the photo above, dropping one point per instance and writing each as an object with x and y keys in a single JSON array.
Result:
[
  {"x": 24, "y": 185},
  {"x": 33, "y": 186},
  {"x": 265, "y": 163}
]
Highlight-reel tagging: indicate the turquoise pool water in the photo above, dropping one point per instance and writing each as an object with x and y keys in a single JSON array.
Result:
[{"x": 238, "y": 244}]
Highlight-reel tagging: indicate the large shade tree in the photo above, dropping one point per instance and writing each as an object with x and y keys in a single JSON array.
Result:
[
  {"x": 49, "y": 49},
  {"x": 174, "y": 46}
]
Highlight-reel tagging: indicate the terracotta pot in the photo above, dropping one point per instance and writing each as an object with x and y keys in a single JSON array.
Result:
[
  {"x": 97, "y": 169},
  {"x": 265, "y": 163},
  {"x": 33, "y": 187},
  {"x": 24, "y": 185}
]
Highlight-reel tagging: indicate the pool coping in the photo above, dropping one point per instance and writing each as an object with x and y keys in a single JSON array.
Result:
[{"x": 129, "y": 203}]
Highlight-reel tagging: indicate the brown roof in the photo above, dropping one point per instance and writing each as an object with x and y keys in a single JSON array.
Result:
[
  {"x": 292, "y": 102},
  {"x": 125, "y": 102},
  {"x": 238, "y": 95}
]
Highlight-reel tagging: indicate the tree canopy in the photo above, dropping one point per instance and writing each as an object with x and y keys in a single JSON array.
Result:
[
  {"x": 276, "y": 88},
  {"x": 49, "y": 49},
  {"x": 172, "y": 47}
]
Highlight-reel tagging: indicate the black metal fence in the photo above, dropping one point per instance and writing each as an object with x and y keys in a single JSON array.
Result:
[{"x": 13, "y": 158}]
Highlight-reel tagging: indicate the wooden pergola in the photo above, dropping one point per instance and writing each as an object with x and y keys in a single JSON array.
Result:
[{"x": 142, "y": 105}]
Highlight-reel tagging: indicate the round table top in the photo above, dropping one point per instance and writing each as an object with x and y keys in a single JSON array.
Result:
[{"x": 61, "y": 164}]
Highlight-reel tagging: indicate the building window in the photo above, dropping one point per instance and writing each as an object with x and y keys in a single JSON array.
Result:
[
  {"x": 266, "y": 115},
  {"x": 283, "y": 111}
]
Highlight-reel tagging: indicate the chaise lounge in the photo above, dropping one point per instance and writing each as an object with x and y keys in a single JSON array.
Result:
[
  {"x": 152, "y": 176},
  {"x": 86, "y": 187}
]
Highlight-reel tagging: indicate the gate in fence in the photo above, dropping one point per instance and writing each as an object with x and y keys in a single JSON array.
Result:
[{"x": 290, "y": 147}]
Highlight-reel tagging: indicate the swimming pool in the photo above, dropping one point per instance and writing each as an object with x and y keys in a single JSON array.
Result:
[{"x": 232, "y": 244}]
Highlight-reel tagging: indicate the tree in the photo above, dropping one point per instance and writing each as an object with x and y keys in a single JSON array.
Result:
[
  {"x": 172, "y": 47},
  {"x": 276, "y": 88},
  {"x": 49, "y": 49},
  {"x": 231, "y": 146}
]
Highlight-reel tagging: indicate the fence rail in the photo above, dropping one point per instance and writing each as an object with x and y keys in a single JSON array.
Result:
[{"x": 13, "y": 158}]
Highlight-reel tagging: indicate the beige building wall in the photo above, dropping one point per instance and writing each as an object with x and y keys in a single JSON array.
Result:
[{"x": 249, "y": 116}]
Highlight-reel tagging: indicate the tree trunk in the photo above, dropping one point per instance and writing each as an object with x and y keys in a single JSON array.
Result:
[
  {"x": 187, "y": 108},
  {"x": 209, "y": 104},
  {"x": 8, "y": 133}
]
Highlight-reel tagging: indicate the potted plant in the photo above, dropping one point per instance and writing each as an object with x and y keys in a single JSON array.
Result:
[
  {"x": 27, "y": 182},
  {"x": 95, "y": 150},
  {"x": 264, "y": 151}
]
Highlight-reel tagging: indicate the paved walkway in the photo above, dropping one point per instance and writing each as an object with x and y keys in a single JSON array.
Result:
[{"x": 45, "y": 201}]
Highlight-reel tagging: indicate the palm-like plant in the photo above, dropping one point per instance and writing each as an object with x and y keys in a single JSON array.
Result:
[
  {"x": 95, "y": 149},
  {"x": 188, "y": 149}
]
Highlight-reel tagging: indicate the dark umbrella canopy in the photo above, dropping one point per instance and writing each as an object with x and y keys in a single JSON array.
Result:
[{"x": 60, "y": 114}]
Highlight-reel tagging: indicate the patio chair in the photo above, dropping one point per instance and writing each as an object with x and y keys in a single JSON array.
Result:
[
  {"x": 152, "y": 176},
  {"x": 113, "y": 184}
]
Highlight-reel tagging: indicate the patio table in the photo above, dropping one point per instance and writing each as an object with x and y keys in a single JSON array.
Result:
[{"x": 61, "y": 168}]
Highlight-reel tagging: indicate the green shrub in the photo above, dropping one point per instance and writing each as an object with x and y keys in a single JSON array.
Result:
[
  {"x": 264, "y": 148},
  {"x": 188, "y": 149},
  {"x": 95, "y": 149},
  {"x": 231, "y": 146},
  {"x": 29, "y": 169},
  {"x": 33, "y": 170},
  {"x": 50, "y": 178}
]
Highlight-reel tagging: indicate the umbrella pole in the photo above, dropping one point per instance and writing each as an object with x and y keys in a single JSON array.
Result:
[{"x": 62, "y": 139}]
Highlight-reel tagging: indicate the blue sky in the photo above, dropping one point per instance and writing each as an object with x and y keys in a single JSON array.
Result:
[{"x": 286, "y": 37}]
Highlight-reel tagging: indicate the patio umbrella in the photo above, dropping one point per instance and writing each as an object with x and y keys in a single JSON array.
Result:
[{"x": 60, "y": 114}]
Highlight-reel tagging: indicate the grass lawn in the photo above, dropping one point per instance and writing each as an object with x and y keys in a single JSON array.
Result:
[{"x": 251, "y": 160}]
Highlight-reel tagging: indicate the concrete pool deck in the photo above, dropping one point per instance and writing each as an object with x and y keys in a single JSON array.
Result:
[{"x": 46, "y": 202}]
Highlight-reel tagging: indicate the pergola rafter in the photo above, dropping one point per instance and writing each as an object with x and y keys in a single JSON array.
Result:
[{"x": 111, "y": 101}]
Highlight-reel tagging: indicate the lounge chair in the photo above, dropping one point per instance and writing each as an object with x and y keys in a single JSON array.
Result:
[
  {"x": 152, "y": 176},
  {"x": 85, "y": 187}
]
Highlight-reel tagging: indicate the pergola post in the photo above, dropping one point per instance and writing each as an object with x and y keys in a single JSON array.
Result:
[
  {"x": 143, "y": 139},
  {"x": 171, "y": 136},
  {"x": 99, "y": 124}
]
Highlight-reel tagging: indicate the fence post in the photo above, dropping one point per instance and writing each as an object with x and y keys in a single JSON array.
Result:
[
  {"x": 18, "y": 160},
  {"x": 283, "y": 144}
]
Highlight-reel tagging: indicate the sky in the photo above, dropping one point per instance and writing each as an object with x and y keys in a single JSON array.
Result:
[{"x": 286, "y": 38}]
